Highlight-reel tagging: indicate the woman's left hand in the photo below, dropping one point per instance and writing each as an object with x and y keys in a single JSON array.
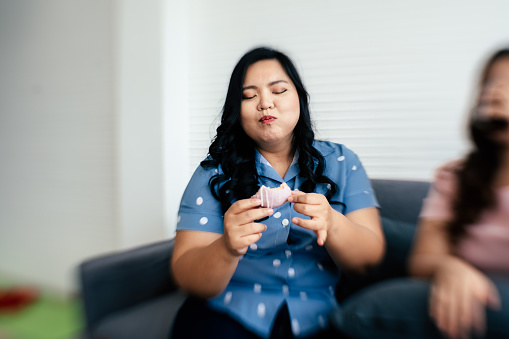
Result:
[{"x": 318, "y": 209}]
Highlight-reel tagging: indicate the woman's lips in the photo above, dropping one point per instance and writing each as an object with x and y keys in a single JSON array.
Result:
[{"x": 267, "y": 119}]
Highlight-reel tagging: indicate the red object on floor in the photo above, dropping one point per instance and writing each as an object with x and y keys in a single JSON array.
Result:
[{"x": 16, "y": 298}]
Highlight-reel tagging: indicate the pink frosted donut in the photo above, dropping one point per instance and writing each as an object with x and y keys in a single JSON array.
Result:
[{"x": 273, "y": 197}]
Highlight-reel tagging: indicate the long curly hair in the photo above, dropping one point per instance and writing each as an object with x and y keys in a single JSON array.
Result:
[
  {"x": 235, "y": 151},
  {"x": 476, "y": 176}
]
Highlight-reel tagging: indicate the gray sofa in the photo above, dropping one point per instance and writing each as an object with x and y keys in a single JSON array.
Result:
[{"x": 131, "y": 294}]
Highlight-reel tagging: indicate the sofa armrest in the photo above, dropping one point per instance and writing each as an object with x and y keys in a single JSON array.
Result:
[{"x": 119, "y": 280}]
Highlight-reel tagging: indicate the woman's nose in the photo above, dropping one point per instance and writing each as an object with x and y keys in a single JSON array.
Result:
[{"x": 265, "y": 102}]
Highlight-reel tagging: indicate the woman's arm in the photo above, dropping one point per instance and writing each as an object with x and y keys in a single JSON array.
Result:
[
  {"x": 201, "y": 263},
  {"x": 204, "y": 262},
  {"x": 430, "y": 249},
  {"x": 355, "y": 241}
]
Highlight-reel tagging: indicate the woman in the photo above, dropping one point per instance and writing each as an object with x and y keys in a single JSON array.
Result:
[
  {"x": 261, "y": 272},
  {"x": 463, "y": 239}
]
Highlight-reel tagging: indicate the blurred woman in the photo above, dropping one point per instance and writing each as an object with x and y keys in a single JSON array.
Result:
[{"x": 462, "y": 243}]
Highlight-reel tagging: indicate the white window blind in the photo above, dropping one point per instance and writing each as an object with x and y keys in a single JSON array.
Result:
[{"x": 391, "y": 80}]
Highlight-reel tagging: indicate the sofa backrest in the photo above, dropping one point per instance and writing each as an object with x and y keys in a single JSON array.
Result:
[{"x": 400, "y": 199}]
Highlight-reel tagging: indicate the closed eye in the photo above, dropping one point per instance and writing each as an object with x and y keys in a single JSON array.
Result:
[
  {"x": 280, "y": 92},
  {"x": 247, "y": 98}
]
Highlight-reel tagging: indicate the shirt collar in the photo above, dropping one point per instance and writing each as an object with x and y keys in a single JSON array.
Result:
[{"x": 265, "y": 169}]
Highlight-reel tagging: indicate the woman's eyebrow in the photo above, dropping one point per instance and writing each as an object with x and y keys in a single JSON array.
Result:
[
  {"x": 277, "y": 82},
  {"x": 272, "y": 83}
]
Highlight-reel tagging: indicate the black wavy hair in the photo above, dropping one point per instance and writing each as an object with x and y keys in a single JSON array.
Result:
[
  {"x": 235, "y": 151},
  {"x": 476, "y": 176}
]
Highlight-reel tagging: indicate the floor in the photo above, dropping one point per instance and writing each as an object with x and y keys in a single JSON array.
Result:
[{"x": 48, "y": 317}]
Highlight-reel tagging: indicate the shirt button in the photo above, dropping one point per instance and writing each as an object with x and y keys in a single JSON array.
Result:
[
  {"x": 285, "y": 222},
  {"x": 288, "y": 254},
  {"x": 286, "y": 289}
]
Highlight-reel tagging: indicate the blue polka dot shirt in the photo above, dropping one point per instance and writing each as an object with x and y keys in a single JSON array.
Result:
[{"x": 274, "y": 271}]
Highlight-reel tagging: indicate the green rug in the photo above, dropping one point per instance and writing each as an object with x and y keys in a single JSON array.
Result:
[{"x": 48, "y": 318}]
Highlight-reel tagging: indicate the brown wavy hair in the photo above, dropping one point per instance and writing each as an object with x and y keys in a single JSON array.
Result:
[{"x": 476, "y": 176}]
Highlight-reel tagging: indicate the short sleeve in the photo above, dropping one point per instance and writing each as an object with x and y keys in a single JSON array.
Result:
[
  {"x": 438, "y": 204},
  {"x": 199, "y": 210},
  {"x": 358, "y": 192}
]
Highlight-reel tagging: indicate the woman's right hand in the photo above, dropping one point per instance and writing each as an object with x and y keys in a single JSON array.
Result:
[
  {"x": 459, "y": 297},
  {"x": 240, "y": 228}
]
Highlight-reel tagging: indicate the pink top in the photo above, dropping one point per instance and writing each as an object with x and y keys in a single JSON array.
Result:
[{"x": 486, "y": 243}]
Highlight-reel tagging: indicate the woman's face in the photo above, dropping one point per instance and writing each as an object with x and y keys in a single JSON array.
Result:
[
  {"x": 270, "y": 105},
  {"x": 494, "y": 98}
]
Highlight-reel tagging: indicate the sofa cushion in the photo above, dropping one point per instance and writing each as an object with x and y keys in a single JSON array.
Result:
[
  {"x": 149, "y": 320},
  {"x": 398, "y": 238}
]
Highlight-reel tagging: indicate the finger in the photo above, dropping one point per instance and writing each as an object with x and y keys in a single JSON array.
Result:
[
  {"x": 479, "y": 318},
  {"x": 254, "y": 214},
  {"x": 465, "y": 319},
  {"x": 294, "y": 196},
  {"x": 310, "y": 224},
  {"x": 237, "y": 234},
  {"x": 306, "y": 198},
  {"x": 248, "y": 216},
  {"x": 441, "y": 310},
  {"x": 432, "y": 302},
  {"x": 251, "y": 238},
  {"x": 452, "y": 324},
  {"x": 308, "y": 209},
  {"x": 321, "y": 237},
  {"x": 493, "y": 297},
  {"x": 242, "y": 231},
  {"x": 244, "y": 205},
  {"x": 243, "y": 243},
  {"x": 254, "y": 227},
  {"x": 436, "y": 310}
]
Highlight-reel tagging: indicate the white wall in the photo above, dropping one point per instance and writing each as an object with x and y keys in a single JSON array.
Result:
[
  {"x": 176, "y": 101},
  {"x": 390, "y": 79},
  {"x": 81, "y": 129},
  {"x": 57, "y": 138},
  {"x": 138, "y": 89}
]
